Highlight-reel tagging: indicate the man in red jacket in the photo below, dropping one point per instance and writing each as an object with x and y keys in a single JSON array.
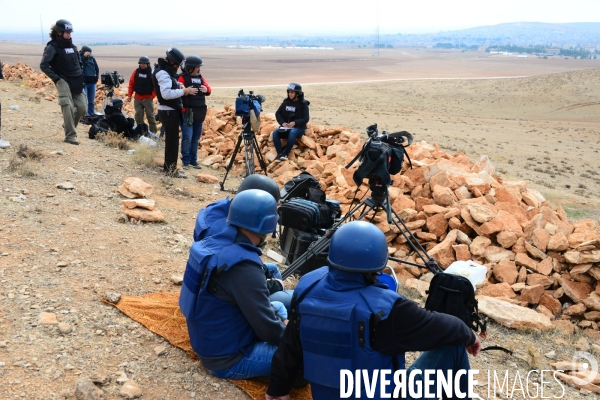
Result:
[{"x": 140, "y": 82}]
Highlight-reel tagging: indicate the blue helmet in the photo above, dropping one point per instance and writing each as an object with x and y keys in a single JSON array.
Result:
[
  {"x": 358, "y": 246},
  {"x": 255, "y": 210}
]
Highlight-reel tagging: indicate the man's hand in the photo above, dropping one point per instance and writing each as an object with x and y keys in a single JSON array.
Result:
[
  {"x": 190, "y": 90},
  {"x": 203, "y": 89},
  {"x": 286, "y": 397},
  {"x": 475, "y": 348},
  {"x": 285, "y": 125},
  {"x": 128, "y": 98},
  {"x": 291, "y": 124}
]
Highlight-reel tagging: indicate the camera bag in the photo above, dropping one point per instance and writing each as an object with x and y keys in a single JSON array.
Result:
[
  {"x": 454, "y": 295},
  {"x": 298, "y": 186},
  {"x": 295, "y": 243}
]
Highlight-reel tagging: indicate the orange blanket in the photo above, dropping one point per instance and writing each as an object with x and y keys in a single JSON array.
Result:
[{"x": 160, "y": 313}]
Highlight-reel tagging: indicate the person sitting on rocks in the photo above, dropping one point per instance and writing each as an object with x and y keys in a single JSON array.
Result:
[{"x": 292, "y": 115}]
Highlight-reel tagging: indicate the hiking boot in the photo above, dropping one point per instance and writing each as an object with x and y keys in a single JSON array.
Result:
[
  {"x": 196, "y": 165},
  {"x": 71, "y": 141},
  {"x": 278, "y": 158},
  {"x": 186, "y": 166},
  {"x": 284, "y": 157}
]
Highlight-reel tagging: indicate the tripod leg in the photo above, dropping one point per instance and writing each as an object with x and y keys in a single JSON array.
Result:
[
  {"x": 261, "y": 160},
  {"x": 231, "y": 161},
  {"x": 249, "y": 157}
]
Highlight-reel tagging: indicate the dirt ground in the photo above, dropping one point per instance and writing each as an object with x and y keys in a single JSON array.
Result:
[{"x": 61, "y": 250}]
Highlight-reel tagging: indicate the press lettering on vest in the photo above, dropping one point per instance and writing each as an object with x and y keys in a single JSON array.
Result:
[
  {"x": 197, "y": 80},
  {"x": 290, "y": 108},
  {"x": 142, "y": 75},
  {"x": 69, "y": 50}
]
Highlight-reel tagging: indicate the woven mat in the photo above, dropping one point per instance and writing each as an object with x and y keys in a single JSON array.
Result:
[{"x": 160, "y": 313}]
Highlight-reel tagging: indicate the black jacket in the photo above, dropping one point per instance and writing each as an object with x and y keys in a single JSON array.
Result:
[
  {"x": 61, "y": 61},
  {"x": 119, "y": 122},
  {"x": 296, "y": 111},
  {"x": 90, "y": 69}
]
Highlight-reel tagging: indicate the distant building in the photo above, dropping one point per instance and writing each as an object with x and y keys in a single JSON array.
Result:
[
  {"x": 482, "y": 49},
  {"x": 522, "y": 56},
  {"x": 552, "y": 51}
]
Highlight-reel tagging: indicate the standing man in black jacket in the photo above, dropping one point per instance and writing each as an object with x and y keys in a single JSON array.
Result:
[
  {"x": 62, "y": 64},
  {"x": 91, "y": 72},
  {"x": 169, "y": 93}
]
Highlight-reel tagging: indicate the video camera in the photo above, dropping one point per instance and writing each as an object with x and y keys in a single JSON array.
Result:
[
  {"x": 111, "y": 79},
  {"x": 380, "y": 157},
  {"x": 245, "y": 102}
]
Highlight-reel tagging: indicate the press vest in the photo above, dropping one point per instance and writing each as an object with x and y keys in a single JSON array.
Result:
[
  {"x": 66, "y": 64},
  {"x": 162, "y": 65},
  {"x": 334, "y": 312},
  {"x": 199, "y": 99},
  {"x": 206, "y": 316},
  {"x": 293, "y": 110},
  {"x": 212, "y": 219},
  {"x": 143, "y": 81}
]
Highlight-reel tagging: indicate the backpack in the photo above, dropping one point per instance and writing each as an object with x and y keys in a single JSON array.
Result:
[
  {"x": 299, "y": 186},
  {"x": 454, "y": 295}
]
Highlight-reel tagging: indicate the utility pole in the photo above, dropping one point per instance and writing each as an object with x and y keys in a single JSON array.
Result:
[{"x": 42, "y": 28}]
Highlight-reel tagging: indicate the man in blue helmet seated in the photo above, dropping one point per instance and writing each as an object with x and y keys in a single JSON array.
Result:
[
  {"x": 343, "y": 319},
  {"x": 233, "y": 327},
  {"x": 213, "y": 219}
]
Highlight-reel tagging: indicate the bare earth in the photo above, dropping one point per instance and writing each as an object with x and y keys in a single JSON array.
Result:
[{"x": 542, "y": 128}]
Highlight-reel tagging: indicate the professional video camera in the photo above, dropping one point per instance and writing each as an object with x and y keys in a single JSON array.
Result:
[
  {"x": 111, "y": 79},
  {"x": 244, "y": 103},
  {"x": 380, "y": 157}
]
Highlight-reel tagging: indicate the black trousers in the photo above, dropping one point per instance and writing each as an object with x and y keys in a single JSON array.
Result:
[{"x": 171, "y": 119}]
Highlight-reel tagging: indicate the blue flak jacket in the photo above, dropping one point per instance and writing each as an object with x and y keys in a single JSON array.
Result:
[
  {"x": 335, "y": 309},
  {"x": 212, "y": 219},
  {"x": 205, "y": 314}
]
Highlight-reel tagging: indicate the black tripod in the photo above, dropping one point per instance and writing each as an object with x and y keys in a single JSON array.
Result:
[
  {"x": 379, "y": 201},
  {"x": 250, "y": 148}
]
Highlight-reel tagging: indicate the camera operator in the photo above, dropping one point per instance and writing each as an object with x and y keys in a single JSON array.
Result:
[
  {"x": 194, "y": 111},
  {"x": 169, "y": 93},
  {"x": 293, "y": 116},
  {"x": 118, "y": 122},
  {"x": 90, "y": 76},
  {"x": 140, "y": 82},
  {"x": 62, "y": 64}
]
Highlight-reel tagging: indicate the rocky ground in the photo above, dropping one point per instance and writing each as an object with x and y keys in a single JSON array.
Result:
[{"x": 61, "y": 249}]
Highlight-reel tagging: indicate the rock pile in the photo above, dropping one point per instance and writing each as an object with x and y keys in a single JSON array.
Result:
[
  {"x": 137, "y": 206},
  {"x": 458, "y": 210}
]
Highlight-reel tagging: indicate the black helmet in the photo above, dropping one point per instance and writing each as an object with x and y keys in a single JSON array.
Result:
[
  {"x": 193, "y": 62},
  {"x": 262, "y": 182},
  {"x": 86, "y": 48},
  {"x": 116, "y": 102},
  {"x": 295, "y": 87},
  {"x": 62, "y": 25},
  {"x": 175, "y": 55},
  {"x": 144, "y": 60}
]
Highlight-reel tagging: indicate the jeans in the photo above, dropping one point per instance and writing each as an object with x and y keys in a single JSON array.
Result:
[
  {"x": 291, "y": 136},
  {"x": 444, "y": 358},
  {"x": 90, "y": 92},
  {"x": 256, "y": 363},
  {"x": 190, "y": 136}
]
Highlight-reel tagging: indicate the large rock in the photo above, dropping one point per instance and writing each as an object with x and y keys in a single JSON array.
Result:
[
  {"x": 495, "y": 254},
  {"x": 577, "y": 291},
  {"x": 481, "y": 212},
  {"x": 497, "y": 290},
  {"x": 86, "y": 390},
  {"x": 592, "y": 303},
  {"x": 442, "y": 196},
  {"x": 523, "y": 259},
  {"x": 142, "y": 203},
  {"x": 207, "y": 178},
  {"x": 551, "y": 304},
  {"x": 512, "y": 315},
  {"x": 576, "y": 257},
  {"x": 131, "y": 390},
  {"x": 507, "y": 239},
  {"x": 479, "y": 244},
  {"x": 437, "y": 224},
  {"x": 443, "y": 252},
  {"x": 506, "y": 271},
  {"x": 133, "y": 187},
  {"x": 420, "y": 286},
  {"x": 141, "y": 214},
  {"x": 532, "y": 294}
]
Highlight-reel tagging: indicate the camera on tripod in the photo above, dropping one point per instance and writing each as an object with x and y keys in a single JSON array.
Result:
[
  {"x": 381, "y": 156},
  {"x": 111, "y": 79}
]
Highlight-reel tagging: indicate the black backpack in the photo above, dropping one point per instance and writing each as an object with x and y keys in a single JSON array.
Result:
[
  {"x": 455, "y": 295},
  {"x": 298, "y": 186}
]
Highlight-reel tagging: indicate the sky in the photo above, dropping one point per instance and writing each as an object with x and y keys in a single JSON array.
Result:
[{"x": 299, "y": 17}]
